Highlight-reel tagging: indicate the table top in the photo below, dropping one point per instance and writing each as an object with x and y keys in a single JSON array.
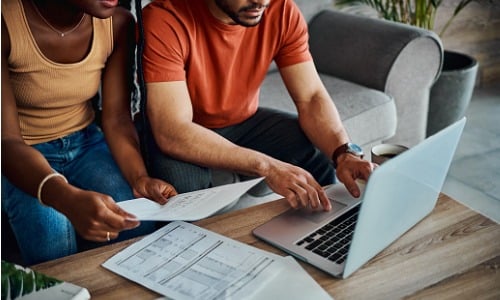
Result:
[{"x": 453, "y": 253}]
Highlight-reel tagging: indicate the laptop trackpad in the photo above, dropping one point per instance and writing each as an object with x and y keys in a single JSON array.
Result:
[{"x": 317, "y": 216}]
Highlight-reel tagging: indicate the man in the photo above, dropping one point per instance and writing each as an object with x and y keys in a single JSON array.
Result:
[{"x": 204, "y": 61}]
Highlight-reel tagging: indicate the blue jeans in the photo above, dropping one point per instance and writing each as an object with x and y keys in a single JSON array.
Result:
[
  {"x": 42, "y": 232},
  {"x": 273, "y": 132}
]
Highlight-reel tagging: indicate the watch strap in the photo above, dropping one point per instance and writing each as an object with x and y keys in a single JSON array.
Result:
[{"x": 344, "y": 148}]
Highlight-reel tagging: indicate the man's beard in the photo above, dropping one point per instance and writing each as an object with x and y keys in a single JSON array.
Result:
[{"x": 235, "y": 15}]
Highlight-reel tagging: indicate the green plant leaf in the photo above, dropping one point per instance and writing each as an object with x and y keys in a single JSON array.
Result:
[
  {"x": 15, "y": 284},
  {"x": 19, "y": 281},
  {"x": 28, "y": 283},
  {"x": 420, "y": 13}
]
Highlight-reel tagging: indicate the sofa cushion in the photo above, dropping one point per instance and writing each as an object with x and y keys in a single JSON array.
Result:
[
  {"x": 369, "y": 115},
  {"x": 310, "y": 8}
]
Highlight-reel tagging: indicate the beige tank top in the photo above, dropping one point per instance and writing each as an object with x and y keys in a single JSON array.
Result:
[{"x": 53, "y": 98}]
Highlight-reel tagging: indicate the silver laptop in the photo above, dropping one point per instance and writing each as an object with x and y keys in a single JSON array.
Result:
[{"x": 398, "y": 194}]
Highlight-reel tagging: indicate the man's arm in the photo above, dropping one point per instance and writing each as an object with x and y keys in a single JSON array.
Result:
[
  {"x": 321, "y": 122},
  {"x": 171, "y": 116}
]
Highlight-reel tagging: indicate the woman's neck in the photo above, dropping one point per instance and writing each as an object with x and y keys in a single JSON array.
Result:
[{"x": 60, "y": 14}]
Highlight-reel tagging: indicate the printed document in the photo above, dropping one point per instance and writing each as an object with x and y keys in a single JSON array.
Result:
[
  {"x": 184, "y": 261},
  {"x": 190, "y": 206}
]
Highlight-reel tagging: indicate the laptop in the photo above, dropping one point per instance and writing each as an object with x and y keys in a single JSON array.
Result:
[{"x": 398, "y": 194}]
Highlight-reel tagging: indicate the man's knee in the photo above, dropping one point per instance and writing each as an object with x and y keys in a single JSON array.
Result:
[{"x": 184, "y": 176}]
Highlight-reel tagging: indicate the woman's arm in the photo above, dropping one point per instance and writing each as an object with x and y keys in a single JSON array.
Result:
[
  {"x": 92, "y": 214},
  {"x": 24, "y": 166},
  {"x": 117, "y": 124}
]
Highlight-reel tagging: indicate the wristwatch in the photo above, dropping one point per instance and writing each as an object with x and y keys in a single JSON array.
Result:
[{"x": 346, "y": 148}]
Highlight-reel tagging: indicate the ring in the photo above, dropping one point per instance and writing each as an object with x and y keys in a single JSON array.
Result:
[{"x": 107, "y": 236}]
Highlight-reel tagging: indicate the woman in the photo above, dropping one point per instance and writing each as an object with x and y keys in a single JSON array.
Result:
[{"x": 56, "y": 56}]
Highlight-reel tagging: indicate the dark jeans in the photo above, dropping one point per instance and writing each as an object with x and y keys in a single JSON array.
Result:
[
  {"x": 269, "y": 131},
  {"x": 42, "y": 232}
]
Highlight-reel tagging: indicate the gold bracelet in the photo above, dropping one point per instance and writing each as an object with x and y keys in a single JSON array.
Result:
[{"x": 42, "y": 183}]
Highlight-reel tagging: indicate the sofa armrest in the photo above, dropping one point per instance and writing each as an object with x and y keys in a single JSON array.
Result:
[{"x": 400, "y": 60}]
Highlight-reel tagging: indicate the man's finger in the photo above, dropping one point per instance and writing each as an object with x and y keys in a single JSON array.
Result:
[
  {"x": 353, "y": 188},
  {"x": 302, "y": 195},
  {"x": 292, "y": 199},
  {"x": 312, "y": 195},
  {"x": 319, "y": 194},
  {"x": 323, "y": 199}
]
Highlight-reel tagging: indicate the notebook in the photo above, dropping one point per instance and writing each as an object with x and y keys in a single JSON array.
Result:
[{"x": 398, "y": 194}]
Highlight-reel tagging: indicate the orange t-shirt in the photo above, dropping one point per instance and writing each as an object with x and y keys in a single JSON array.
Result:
[{"x": 223, "y": 65}]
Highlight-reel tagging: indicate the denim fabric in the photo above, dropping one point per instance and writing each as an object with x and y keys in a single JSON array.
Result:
[
  {"x": 273, "y": 132},
  {"x": 42, "y": 232}
]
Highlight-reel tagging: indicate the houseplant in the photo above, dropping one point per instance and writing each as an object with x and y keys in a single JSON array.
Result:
[
  {"x": 451, "y": 93},
  {"x": 420, "y": 13}
]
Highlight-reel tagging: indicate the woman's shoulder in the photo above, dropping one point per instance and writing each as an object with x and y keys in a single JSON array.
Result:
[{"x": 122, "y": 17}]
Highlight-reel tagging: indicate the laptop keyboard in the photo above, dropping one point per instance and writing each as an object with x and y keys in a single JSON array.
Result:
[{"x": 333, "y": 239}]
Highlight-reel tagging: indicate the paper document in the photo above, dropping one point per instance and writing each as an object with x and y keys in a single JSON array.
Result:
[
  {"x": 293, "y": 283},
  {"x": 184, "y": 261},
  {"x": 281, "y": 287},
  {"x": 190, "y": 206}
]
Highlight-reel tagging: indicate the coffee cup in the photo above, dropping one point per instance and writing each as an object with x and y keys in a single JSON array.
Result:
[{"x": 383, "y": 152}]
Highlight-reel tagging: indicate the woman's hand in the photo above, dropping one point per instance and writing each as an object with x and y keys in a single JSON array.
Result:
[
  {"x": 154, "y": 189},
  {"x": 96, "y": 216}
]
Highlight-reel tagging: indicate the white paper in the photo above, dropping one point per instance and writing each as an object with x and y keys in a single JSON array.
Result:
[
  {"x": 184, "y": 261},
  {"x": 190, "y": 206},
  {"x": 294, "y": 283}
]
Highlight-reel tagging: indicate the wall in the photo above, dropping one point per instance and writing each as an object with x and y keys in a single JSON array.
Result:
[{"x": 475, "y": 31}]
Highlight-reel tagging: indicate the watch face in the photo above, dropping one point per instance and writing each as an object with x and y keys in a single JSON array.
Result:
[{"x": 354, "y": 149}]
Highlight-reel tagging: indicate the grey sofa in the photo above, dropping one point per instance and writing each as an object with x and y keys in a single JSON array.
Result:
[{"x": 378, "y": 73}]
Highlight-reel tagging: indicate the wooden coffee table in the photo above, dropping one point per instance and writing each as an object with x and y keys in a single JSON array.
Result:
[{"x": 454, "y": 253}]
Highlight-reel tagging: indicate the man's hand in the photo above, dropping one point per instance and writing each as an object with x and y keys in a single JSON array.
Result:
[
  {"x": 154, "y": 189},
  {"x": 298, "y": 186},
  {"x": 350, "y": 168}
]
